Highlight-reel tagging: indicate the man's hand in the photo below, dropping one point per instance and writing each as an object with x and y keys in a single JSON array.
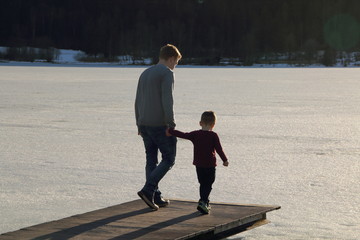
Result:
[
  {"x": 226, "y": 163},
  {"x": 167, "y": 133}
]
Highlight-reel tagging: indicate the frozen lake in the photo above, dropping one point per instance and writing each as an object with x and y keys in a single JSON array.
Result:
[{"x": 69, "y": 144}]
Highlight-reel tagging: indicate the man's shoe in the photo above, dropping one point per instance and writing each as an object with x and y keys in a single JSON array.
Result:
[
  {"x": 208, "y": 206},
  {"x": 148, "y": 199},
  {"x": 202, "y": 207},
  {"x": 160, "y": 201}
]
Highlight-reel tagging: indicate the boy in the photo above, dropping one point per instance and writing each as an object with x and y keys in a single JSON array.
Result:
[
  {"x": 206, "y": 142},
  {"x": 154, "y": 114}
]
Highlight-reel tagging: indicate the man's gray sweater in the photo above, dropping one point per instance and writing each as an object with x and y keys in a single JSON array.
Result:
[{"x": 154, "y": 98}]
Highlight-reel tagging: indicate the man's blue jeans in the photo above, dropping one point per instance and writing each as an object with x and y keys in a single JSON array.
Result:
[{"x": 156, "y": 140}]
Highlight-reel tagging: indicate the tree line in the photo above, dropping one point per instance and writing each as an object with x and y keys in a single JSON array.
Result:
[{"x": 206, "y": 31}]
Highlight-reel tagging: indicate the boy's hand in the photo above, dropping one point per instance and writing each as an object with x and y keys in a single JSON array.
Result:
[
  {"x": 167, "y": 133},
  {"x": 226, "y": 163}
]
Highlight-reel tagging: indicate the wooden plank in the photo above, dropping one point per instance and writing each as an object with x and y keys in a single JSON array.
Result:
[{"x": 134, "y": 220}]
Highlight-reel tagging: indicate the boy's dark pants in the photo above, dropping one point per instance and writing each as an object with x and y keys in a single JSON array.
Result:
[{"x": 206, "y": 177}]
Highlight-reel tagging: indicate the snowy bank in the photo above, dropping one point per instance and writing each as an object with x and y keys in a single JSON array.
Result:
[{"x": 76, "y": 57}]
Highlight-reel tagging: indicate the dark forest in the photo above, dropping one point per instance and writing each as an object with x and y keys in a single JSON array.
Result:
[{"x": 205, "y": 31}]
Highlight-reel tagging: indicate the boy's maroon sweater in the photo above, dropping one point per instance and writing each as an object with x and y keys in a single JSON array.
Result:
[{"x": 205, "y": 145}]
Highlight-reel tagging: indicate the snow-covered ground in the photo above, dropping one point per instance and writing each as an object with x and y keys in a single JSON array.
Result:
[
  {"x": 69, "y": 144},
  {"x": 68, "y": 56}
]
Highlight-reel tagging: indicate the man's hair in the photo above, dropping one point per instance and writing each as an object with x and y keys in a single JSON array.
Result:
[
  {"x": 208, "y": 117},
  {"x": 169, "y": 51}
]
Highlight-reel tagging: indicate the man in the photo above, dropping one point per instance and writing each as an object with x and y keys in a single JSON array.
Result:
[{"x": 154, "y": 114}]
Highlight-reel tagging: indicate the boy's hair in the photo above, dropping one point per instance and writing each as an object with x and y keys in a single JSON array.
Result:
[
  {"x": 208, "y": 117},
  {"x": 169, "y": 51}
]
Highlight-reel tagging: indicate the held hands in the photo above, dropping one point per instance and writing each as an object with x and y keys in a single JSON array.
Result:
[
  {"x": 167, "y": 133},
  {"x": 226, "y": 163}
]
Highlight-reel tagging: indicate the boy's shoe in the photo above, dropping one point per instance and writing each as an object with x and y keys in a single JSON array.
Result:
[
  {"x": 160, "y": 201},
  {"x": 148, "y": 199},
  {"x": 202, "y": 207}
]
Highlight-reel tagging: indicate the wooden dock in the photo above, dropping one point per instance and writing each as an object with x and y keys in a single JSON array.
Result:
[{"x": 134, "y": 220}]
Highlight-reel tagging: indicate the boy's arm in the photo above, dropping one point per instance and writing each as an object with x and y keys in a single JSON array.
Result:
[
  {"x": 180, "y": 134},
  {"x": 220, "y": 151}
]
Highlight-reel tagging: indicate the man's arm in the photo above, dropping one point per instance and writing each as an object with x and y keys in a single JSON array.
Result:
[
  {"x": 136, "y": 106},
  {"x": 167, "y": 87}
]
